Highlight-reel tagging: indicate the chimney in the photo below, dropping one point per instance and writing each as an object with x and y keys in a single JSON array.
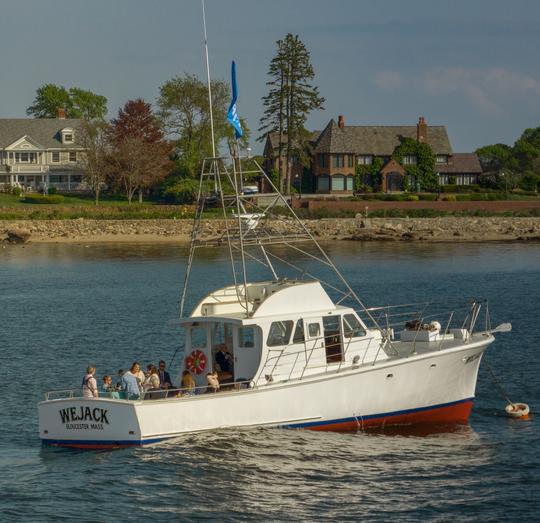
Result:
[
  {"x": 421, "y": 130},
  {"x": 61, "y": 113},
  {"x": 341, "y": 121}
]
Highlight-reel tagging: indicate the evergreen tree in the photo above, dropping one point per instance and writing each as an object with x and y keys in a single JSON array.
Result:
[{"x": 290, "y": 99}]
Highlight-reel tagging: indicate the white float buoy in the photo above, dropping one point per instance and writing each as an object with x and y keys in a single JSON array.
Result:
[{"x": 517, "y": 410}]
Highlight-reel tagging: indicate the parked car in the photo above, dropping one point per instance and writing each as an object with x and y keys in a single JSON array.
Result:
[{"x": 250, "y": 190}]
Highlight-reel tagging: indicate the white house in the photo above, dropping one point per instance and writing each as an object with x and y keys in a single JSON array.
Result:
[{"x": 41, "y": 150}]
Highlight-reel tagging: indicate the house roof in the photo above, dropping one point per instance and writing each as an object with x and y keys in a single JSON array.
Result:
[
  {"x": 377, "y": 140},
  {"x": 45, "y": 131},
  {"x": 461, "y": 163},
  {"x": 273, "y": 138}
]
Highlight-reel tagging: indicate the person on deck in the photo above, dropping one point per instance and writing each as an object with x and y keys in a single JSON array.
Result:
[
  {"x": 213, "y": 382},
  {"x": 224, "y": 360},
  {"x": 152, "y": 383},
  {"x": 130, "y": 382},
  {"x": 188, "y": 384},
  {"x": 89, "y": 384},
  {"x": 164, "y": 377}
]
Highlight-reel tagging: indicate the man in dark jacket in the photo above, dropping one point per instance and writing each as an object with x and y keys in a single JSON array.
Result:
[{"x": 164, "y": 377}]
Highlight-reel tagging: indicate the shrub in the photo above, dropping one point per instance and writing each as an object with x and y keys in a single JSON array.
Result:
[
  {"x": 463, "y": 197},
  {"x": 412, "y": 198},
  {"x": 53, "y": 190},
  {"x": 427, "y": 197},
  {"x": 15, "y": 190},
  {"x": 43, "y": 199},
  {"x": 449, "y": 198}
]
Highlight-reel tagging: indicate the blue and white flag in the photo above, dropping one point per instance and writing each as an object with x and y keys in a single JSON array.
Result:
[{"x": 232, "y": 115}]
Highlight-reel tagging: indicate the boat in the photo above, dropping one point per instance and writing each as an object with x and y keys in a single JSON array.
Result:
[
  {"x": 306, "y": 352},
  {"x": 296, "y": 348}
]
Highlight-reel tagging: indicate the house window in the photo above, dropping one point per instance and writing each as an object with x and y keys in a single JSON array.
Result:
[
  {"x": 409, "y": 159},
  {"x": 72, "y": 156},
  {"x": 350, "y": 160},
  {"x": 365, "y": 159},
  {"x": 280, "y": 333},
  {"x": 350, "y": 183},
  {"x": 323, "y": 183},
  {"x": 68, "y": 138},
  {"x": 338, "y": 182},
  {"x": 56, "y": 156},
  {"x": 323, "y": 160},
  {"x": 441, "y": 158},
  {"x": 25, "y": 157},
  {"x": 338, "y": 160}
]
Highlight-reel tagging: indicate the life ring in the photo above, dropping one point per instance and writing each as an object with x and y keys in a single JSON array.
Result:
[{"x": 196, "y": 362}]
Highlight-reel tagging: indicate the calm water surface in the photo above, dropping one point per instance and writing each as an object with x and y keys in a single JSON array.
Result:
[{"x": 63, "y": 306}]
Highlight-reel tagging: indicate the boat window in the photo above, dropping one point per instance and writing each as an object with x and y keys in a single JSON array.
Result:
[
  {"x": 246, "y": 337},
  {"x": 280, "y": 333},
  {"x": 298, "y": 336},
  {"x": 352, "y": 328},
  {"x": 314, "y": 330},
  {"x": 198, "y": 337}
]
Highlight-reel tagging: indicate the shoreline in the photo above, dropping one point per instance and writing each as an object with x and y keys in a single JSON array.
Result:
[{"x": 433, "y": 230}]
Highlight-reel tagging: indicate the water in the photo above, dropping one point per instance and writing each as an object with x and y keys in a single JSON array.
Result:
[{"x": 63, "y": 306}]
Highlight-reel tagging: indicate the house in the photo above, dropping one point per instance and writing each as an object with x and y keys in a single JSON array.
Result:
[
  {"x": 41, "y": 151},
  {"x": 338, "y": 150}
]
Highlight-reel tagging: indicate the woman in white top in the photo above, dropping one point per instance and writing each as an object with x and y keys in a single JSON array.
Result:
[{"x": 89, "y": 386}]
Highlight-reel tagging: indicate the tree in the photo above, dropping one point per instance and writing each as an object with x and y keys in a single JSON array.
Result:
[
  {"x": 495, "y": 157},
  {"x": 527, "y": 149},
  {"x": 77, "y": 103},
  {"x": 140, "y": 158},
  {"x": 290, "y": 100},
  {"x": 96, "y": 159},
  {"x": 185, "y": 113}
]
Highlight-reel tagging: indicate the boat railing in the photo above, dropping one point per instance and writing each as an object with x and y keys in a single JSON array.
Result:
[
  {"x": 175, "y": 393},
  {"x": 413, "y": 317}
]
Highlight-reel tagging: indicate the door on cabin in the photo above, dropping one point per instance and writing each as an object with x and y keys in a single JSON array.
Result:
[{"x": 332, "y": 339}]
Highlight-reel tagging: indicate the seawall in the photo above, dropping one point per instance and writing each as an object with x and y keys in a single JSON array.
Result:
[{"x": 444, "y": 229}]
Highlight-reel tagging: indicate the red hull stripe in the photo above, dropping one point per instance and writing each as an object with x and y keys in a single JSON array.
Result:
[{"x": 454, "y": 412}]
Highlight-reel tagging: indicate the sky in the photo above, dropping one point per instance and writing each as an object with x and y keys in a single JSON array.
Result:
[{"x": 471, "y": 65}]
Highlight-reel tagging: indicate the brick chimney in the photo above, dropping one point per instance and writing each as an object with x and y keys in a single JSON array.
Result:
[
  {"x": 421, "y": 130},
  {"x": 61, "y": 113},
  {"x": 341, "y": 121}
]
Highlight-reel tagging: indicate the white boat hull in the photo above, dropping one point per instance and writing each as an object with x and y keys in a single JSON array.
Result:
[{"x": 435, "y": 387}]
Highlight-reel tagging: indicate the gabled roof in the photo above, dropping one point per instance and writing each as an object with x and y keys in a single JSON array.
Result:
[
  {"x": 377, "y": 140},
  {"x": 273, "y": 138},
  {"x": 45, "y": 131},
  {"x": 466, "y": 163}
]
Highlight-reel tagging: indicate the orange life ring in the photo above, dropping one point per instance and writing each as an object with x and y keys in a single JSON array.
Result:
[{"x": 196, "y": 362}]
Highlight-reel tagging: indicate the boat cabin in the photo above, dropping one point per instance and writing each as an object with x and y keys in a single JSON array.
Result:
[{"x": 279, "y": 331}]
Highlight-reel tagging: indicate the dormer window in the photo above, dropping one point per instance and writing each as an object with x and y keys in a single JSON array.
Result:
[{"x": 67, "y": 135}]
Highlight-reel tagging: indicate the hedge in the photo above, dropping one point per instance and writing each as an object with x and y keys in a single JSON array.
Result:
[{"x": 44, "y": 198}]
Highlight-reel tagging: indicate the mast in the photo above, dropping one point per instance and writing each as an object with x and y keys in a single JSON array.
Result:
[{"x": 208, "y": 80}]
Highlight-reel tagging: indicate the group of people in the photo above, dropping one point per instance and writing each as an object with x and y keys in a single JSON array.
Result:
[
  {"x": 153, "y": 384},
  {"x": 132, "y": 384}
]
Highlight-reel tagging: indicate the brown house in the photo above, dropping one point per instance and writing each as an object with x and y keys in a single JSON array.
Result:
[{"x": 339, "y": 149}]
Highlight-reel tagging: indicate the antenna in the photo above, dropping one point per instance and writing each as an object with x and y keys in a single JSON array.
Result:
[{"x": 208, "y": 77}]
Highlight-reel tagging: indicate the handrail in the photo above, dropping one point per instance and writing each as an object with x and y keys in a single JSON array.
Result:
[{"x": 175, "y": 393}]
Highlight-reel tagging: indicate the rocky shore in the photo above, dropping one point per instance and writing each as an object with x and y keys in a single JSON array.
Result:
[{"x": 444, "y": 229}]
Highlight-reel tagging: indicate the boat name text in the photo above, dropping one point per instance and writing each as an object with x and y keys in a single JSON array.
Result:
[{"x": 83, "y": 414}]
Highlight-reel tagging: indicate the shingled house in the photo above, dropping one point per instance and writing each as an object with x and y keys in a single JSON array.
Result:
[
  {"x": 339, "y": 148},
  {"x": 41, "y": 150}
]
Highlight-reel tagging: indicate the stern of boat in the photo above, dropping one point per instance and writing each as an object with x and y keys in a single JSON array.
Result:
[{"x": 91, "y": 423}]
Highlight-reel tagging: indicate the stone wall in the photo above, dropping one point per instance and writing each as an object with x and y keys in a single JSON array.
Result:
[{"x": 404, "y": 229}]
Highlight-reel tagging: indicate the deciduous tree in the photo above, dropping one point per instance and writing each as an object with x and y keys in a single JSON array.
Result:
[
  {"x": 77, "y": 103},
  {"x": 140, "y": 158}
]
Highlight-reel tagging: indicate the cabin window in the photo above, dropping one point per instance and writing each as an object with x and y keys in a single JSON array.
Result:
[
  {"x": 352, "y": 328},
  {"x": 314, "y": 330},
  {"x": 246, "y": 337},
  {"x": 298, "y": 336},
  {"x": 280, "y": 333},
  {"x": 198, "y": 337}
]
